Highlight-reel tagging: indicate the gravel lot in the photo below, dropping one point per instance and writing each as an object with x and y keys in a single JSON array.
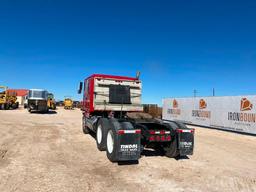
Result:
[{"x": 49, "y": 152}]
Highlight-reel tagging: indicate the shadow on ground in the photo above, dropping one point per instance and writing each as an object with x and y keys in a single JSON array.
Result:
[{"x": 44, "y": 113}]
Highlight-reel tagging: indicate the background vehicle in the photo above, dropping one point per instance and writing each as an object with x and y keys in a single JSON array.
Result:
[
  {"x": 68, "y": 103},
  {"x": 37, "y": 100},
  {"x": 26, "y": 102},
  {"x": 51, "y": 101},
  {"x": 112, "y": 109},
  {"x": 8, "y": 100}
]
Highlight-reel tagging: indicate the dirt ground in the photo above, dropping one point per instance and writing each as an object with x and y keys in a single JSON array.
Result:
[{"x": 49, "y": 152}]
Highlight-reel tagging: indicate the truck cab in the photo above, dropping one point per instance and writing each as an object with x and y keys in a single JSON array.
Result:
[{"x": 112, "y": 109}]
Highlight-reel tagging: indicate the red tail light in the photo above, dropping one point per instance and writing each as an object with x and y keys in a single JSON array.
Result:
[
  {"x": 168, "y": 138},
  {"x": 151, "y": 138},
  {"x": 162, "y": 132},
  {"x": 152, "y": 132},
  {"x": 120, "y": 132},
  {"x": 162, "y": 138},
  {"x": 158, "y": 138},
  {"x": 185, "y": 130}
]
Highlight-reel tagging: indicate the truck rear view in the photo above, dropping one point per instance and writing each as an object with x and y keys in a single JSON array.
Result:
[{"x": 112, "y": 109}]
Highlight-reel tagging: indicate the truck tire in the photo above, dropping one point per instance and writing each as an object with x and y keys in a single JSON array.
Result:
[
  {"x": 172, "y": 150},
  {"x": 112, "y": 145},
  {"x": 6, "y": 106},
  {"x": 101, "y": 133},
  {"x": 180, "y": 125},
  {"x": 85, "y": 128}
]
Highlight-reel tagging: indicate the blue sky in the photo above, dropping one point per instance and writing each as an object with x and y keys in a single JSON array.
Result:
[{"x": 177, "y": 45}]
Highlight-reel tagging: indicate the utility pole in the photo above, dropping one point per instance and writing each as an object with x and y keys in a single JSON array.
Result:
[{"x": 195, "y": 92}]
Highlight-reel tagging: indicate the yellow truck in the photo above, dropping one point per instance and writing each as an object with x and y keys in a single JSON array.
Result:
[
  {"x": 51, "y": 101},
  {"x": 8, "y": 100},
  {"x": 68, "y": 103}
]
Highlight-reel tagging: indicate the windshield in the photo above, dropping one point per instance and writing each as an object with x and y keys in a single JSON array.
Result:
[
  {"x": 50, "y": 96},
  {"x": 2, "y": 89},
  {"x": 37, "y": 94}
]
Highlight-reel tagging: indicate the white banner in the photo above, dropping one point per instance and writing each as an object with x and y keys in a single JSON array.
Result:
[{"x": 236, "y": 113}]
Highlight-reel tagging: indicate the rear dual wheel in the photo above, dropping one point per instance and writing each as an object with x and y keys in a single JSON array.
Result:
[
  {"x": 172, "y": 150},
  {"x": 101, "y": 133},
  {"x": 85, "y": 128},
  {"x": 111, "y": 145}
]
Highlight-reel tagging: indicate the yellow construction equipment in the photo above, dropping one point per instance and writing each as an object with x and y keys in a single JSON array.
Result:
[
  {"x": 68, "y": 103},
  {"x": 8, "y": 100},
  {"x": 51, "y": 101}
]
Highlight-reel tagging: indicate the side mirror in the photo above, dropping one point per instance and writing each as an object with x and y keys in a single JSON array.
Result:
[
  {"x": 137, "y": 74},
  {"x": 80, "y": 88}
]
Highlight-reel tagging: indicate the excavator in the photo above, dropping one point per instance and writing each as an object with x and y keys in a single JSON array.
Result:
[{"x": 8, "y": 100}]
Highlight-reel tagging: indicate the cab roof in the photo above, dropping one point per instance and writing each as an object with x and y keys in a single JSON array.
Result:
[{"x": 112, "y": 77}]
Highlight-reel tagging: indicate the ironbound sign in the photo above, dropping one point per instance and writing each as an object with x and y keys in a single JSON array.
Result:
[{"x": 236, "y": 113}]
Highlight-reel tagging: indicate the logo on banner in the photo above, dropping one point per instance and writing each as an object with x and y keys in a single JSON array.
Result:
[
  {"x": 244, "y": 115},
  {"x": 202, "y": 113},
  {"x": 174, "y": 110},
  {"x": 175, "y": 103},
  {"x": 245, "y": 105},
  {"x": 202, "y": 104}
]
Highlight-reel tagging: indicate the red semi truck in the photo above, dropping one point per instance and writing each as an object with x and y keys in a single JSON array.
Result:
[{"x": 112, "y": 109}]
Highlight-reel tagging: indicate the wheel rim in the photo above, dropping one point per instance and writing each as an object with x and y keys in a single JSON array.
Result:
[
  {"x": 99, "y": 134},
  {"x": 110, "y": 142}
]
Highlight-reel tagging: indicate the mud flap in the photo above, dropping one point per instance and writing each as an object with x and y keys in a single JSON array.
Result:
[
  {"x": 129, "y": 148},
  {"x": 186, "y": 143}
]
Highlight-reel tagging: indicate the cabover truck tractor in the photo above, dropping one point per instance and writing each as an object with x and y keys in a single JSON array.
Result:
[
  {"x": 8, "y": 99},
  {"x": 112, "y": 109}
]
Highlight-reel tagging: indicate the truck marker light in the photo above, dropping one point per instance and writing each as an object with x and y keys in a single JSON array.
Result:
[
  {"x": 151, "y": 138},
  {"x": 168, "y": 138}
]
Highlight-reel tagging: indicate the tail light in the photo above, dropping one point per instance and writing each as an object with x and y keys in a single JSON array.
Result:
[
  {"x": 136, "y": 131},
  {"x": 185, "y": 130},
  {"x": 151, "y": 138}
]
